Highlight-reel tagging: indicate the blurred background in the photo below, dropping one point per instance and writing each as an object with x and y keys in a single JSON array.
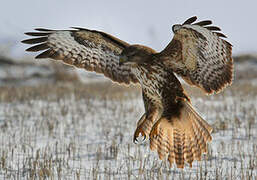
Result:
[
  {"x": 57, "y": 122},
  {"x": 137, "y": 22}
]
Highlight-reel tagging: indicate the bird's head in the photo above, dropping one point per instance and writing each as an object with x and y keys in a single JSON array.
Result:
[{"x": 135, "y": 54}]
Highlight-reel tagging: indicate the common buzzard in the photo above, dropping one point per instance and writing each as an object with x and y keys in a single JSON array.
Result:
[{"x": 198, "y": 53}]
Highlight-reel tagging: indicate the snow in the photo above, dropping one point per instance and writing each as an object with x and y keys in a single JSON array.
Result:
[{"x": 92, "y": 137}]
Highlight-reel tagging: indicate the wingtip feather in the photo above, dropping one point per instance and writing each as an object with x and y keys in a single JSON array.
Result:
[
  {"x": 203, "y": 23},
  {"x": 220, "y": 34},
  {"x": 43, "y": 29},
  {"x": 38, "y": 47},
  {"x": 213, "y": 28},
  {"x": 190, "y": 20},
  {"x": 37, "y": 33},
  {"x": 34, "y": 40}
]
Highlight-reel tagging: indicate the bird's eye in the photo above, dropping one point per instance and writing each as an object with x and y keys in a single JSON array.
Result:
[{"x": 131, "y": 54}]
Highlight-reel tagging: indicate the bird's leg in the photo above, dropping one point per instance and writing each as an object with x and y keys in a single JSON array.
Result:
[
  {"x": 139, "y": 129},
  {"x": 145, "y": 123}
]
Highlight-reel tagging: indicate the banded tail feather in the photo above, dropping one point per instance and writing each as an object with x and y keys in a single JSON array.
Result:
[{"x": 181, "y": 139}]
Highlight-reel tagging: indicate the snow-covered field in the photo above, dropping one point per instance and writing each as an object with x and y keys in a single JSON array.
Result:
[{"x": 73, "y": 130}]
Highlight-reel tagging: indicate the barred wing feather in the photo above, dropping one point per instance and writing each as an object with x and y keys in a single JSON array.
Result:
[
  {"x": 200, "y": 55},
  {"x": 83, "y": 48}
]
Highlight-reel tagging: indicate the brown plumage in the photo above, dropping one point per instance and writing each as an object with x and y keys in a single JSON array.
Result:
[
  {"x": 197, "y": 53},
  {"x": 200, "y": 56}
]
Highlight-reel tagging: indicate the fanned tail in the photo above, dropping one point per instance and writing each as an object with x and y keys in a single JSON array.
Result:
[{"x": 181, "y": 138}]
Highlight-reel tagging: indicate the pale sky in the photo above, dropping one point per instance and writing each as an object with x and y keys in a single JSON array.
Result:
[{"x": 137, "y": 22}]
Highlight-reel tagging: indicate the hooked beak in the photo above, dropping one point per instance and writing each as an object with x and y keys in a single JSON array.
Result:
[{"x": 123, "y": 59}]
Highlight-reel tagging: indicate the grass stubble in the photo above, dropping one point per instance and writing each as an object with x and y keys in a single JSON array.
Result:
[{"x": 71, "y": 130}]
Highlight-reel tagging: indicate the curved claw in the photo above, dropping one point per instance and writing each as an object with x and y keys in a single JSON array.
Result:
[
  {"x": 136, "y": 134},
  {"x": 154, "y": 132},
  {"x": 144, "y": 125},
  {"x": 135, "y": 140}
]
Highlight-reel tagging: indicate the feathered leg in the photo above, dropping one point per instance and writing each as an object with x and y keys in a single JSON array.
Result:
[{"x": 146, "y": 122}]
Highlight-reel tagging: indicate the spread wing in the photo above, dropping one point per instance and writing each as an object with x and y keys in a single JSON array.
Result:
[
  {"x": 200, "y": 55},
  {"x": 83, "y": 48}
]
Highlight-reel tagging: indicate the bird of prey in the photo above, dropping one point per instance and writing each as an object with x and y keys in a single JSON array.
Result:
[{"x": 198, "y": 53}]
